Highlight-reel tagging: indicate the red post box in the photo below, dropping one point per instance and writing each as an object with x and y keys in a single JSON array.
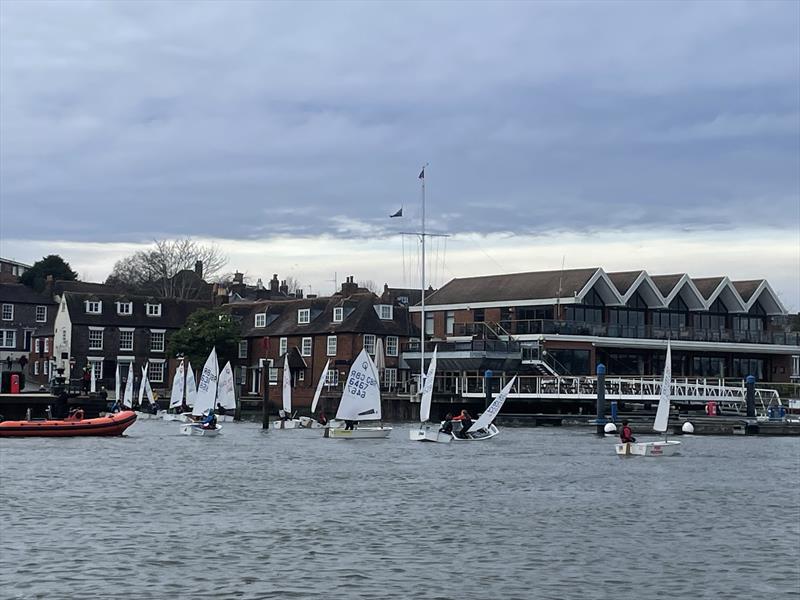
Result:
[{"x": 15, "y": 383}]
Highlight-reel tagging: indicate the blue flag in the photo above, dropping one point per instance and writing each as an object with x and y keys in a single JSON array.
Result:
[{"x": 399, "y": 213}]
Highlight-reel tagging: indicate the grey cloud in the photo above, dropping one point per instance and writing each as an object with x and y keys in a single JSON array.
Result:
[{"x": 121, "y": 121}]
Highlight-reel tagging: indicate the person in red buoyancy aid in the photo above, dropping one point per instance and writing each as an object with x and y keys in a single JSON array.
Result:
[{"x": 626, "y": 435}]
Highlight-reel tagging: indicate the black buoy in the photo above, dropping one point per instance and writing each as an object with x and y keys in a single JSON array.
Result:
[{"x": 601, "y": 399}]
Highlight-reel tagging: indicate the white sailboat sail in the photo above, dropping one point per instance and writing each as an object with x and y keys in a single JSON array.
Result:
[
  {"x": 127, "y": 399},
  {"x": 427, "y": 390},
  {"x": 662, "y": 413},
  {"x": 287, "y": 386},
  {"x": 361, "y": 399},
  {"x": 191, "y": 386},
  {"x": 490, "y": 413},
  {"x": 141, "y": 384},
  {"x": 207, "y": 388},
  {"x": 322, "y": 379},
  {"x": 92, "y": 380},
  {"x": 148, "y": 390},
  {"x": 117, "y": 384},
  {"x": 226, "y": 394},
  {"x": 176, "y": 395}
]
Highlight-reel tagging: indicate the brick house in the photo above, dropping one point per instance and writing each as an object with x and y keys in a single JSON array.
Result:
[{"x": 23, "y": 311}]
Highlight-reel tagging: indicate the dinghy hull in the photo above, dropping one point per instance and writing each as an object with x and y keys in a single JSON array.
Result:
[
  {"x": 478, "y": 436},
  {"x": 659, "y": 448},
  {"x": 429, "y": 434},
  {"x": 360, "y": 433},
  {"x": 196, "y": 429},
  {"x": 114, "y": 424}
]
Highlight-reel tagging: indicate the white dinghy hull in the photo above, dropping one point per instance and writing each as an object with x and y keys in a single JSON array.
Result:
[
  {"x": 659, "y": 448},
  {"x": 478, "y": 436},
  {"x": 197, "y": 429},
  {"x": 360, "y": 433},
  {"x": 145, "y": 416},
  {"x": 429, "y": 434}
]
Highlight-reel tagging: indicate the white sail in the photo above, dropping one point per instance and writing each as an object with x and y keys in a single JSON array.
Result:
[
  {"x": 207, "y": 388},
  {"x": 226, "y": 394},
  {"x": 361, "y": 399},
  {"x": 287, "y": 385},
  {"x": 127, "y": 399},
  {"x": 427, "y": 390},
  {"x": 176, "y": 395},
  {"x": 490, "y": 413},
  {"x": 191, "y": 385},
  {"x": 141, "y": 384},
  {"x": 662, "y": 413},
  {"x": 320, "y": 385},
  {"x": 380, "y": 358},
  {"x": 146, "y": 385},
  {"x": 117, "y": 383},
  {"x": 93, "y": 380}
]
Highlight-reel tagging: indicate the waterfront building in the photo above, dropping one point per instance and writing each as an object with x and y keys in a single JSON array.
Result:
[
  {"x": 23, "y": 313},
  {"x": 102, "y": 330},
  {"x": 312, "y": 330},
  {"x": 565, "y": 323},
  {"x": 11, "y": 270}
]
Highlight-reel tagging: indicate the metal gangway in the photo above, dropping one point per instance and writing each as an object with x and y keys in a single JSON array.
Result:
[{"x": 728, "y": 395}]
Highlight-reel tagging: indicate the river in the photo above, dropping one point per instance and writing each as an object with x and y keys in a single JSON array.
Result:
[{"x": 533, "y": 513}]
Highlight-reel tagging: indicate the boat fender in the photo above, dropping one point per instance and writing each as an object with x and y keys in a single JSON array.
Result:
[{"x": 687, "y": 427}]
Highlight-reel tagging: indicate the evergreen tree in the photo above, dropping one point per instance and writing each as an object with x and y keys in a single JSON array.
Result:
[
  {"x": 54, "y": 265},
  {"x": 204, "y": 329}
]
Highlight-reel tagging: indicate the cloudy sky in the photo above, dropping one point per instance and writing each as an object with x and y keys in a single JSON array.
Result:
[{"x": 663, "y": 136}]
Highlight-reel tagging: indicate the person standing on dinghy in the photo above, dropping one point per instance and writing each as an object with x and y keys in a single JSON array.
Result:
[{"x": 626, "y": 435}]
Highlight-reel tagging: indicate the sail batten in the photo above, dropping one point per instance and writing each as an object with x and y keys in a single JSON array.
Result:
[{"x": 361, "y": 398}]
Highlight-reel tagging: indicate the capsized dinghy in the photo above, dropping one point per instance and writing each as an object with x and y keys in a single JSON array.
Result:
[{"x": 109, "y": 425}]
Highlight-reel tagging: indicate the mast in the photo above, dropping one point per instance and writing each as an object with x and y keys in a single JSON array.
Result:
[{"x": 422, "y": 289}]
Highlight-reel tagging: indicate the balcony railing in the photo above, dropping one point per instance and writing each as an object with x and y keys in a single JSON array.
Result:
[
  {"x": 543, "y": 326},
  {"x": 466, "y": 346}
]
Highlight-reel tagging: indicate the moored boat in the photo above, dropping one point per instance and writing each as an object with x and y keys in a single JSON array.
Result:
[
  {"x": 199, "y": 429},
  {"x": 114, "y": 424}
]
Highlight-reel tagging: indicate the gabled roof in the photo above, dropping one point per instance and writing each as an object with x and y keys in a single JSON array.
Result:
[
  {"x": 747, "y": 288},
  {"x": 707, "y": 285},
  {"x": 173, "y": 312},
  {"x": 21, "y": 294},
  {"x": 623, "y": 280},
  {"x": 666, "y": 283},
  {"x": 541, "y": 285}
]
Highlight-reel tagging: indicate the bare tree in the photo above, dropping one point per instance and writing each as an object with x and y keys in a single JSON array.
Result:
[
  {"x": 292, "y": 283},
  {"x": 368, "y": 284},
  {"x": 167, "y": 269}
]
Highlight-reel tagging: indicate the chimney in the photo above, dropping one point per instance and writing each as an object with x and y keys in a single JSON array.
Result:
[
  {"x": 198, "y": 268},
  {"x": 349, "y": 287},
  {"x": 298, "y": 293},
  {"x": 238, "y": 277},
  {"x": 259, "y": 284},
  {"x": 274, "y": 284},
  {"x": 284, "y": 289}
]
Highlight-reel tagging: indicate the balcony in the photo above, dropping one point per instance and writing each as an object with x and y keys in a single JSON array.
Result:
[
  {"x": 551, "y": 327},
  {"x": 470, "y": 355}
]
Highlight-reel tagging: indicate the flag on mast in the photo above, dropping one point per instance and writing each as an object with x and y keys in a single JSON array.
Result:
[
  {"x": 422, "y": 174},
  {"x": 399, "y": 213}
]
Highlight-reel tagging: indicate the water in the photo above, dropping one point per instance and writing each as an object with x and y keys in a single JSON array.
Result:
[{"x": 534, "y": 513}]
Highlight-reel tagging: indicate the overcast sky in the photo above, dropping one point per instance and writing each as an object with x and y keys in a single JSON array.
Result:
[{"x": 566, "y": 126}]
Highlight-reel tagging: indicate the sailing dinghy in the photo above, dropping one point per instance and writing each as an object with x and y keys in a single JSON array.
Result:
[
  {"x": 226, "y": 394},
  {"x": 663, "y": 447},
  {"x": 484, "y": 428},
  {"x": 361, "y": 401},
  {"x": 176, "y": 396},
  {"x": 206, "y": 398},
  {"x": 146, "y": 389},
  {"x": 428, "y": 432}
]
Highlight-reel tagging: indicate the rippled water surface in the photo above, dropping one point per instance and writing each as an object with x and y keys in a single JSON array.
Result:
[{"x": 533, "y": 513}]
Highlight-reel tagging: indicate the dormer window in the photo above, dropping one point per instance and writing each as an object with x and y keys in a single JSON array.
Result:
[
  {"x": 94, "y": 307},
  {"x": 304, "y": 316},
  {"x": 125, "y": 308},
  {"x": 261, "y": 320},
  {"x": 385, "y": 312},
  {"x": 338, "y": 314},
  {"x": 152, "y": 310}
]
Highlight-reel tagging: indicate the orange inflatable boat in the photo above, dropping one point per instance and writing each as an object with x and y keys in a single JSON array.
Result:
[{"x": 111, "y": 425}]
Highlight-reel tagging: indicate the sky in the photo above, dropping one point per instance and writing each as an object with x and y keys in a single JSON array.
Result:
[{"x": 657, "y": 135}]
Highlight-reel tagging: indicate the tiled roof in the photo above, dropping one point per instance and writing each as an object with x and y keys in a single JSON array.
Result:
[
  {"x": 514, "y": 286},
  {"x": 707, "y": 285},
  {"x": 666, "y": 283},
  {"x": 623, "y": 280},
  {"x": 746, "y": 289},
  {"x": 173, "y": 312},
  {"x": 22, "y": 294}
]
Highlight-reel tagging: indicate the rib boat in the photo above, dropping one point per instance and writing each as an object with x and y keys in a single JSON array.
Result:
[{"x": 114, "y": 424}]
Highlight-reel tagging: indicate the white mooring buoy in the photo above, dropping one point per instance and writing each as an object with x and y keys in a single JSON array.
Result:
[
  {"x": 687, "y": 427},
  {"x": 610, "y": 428}
]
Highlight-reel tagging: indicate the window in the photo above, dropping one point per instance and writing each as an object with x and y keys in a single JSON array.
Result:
[
  {"x": 331, "y": 345},
  {"x": 305, "y": 347},
  {"x": 41, "y": 314},
  {"x": 796, "y": 366},
  {"x": 36, "y": 366},
  {"x": 155, "y": 371},
  {"x": 126, "y": 339},
  {"x": 391, "y": 345},
  {"x": 94, "y": 307},
  {"x": 96, "y": 364},
  {"x": 332, "y": 378},
  {"x": 124, "y": 308},
  {"x": 37, "y": 346},
  {"x": 156, "y": 341},
  {"x": 449, "y": 322},
  {"x": 283, "y": 346},
  {"x": 261, "y": 320},
  {"x": 152, "y": 310},
  {"x": 242, "y": 349},
  {"x": 95, "y": 339},
  {"x": 369, "y": 343},
  {"x": 429, "y": 323},
  {"x": 240, "y": 375},
  {"x": 8, "y": 338},
  {"x": 46, "y": 345},
  {"x": 385, "y": 312},
  {"x": 390, "y": 377},
  {"x": 8, "y": 312},
  {"x": 478, "y": 315},
  {"x": 46, "y": 367},
  {"x": 301, "y": 375},
  {"x": 338, "y": 314},
  {"x": 273, "y": 373},
  {"x": 304, "y": 316}
]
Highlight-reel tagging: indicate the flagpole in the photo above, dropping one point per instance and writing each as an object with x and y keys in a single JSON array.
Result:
[{"x": 422, "y": 290}]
